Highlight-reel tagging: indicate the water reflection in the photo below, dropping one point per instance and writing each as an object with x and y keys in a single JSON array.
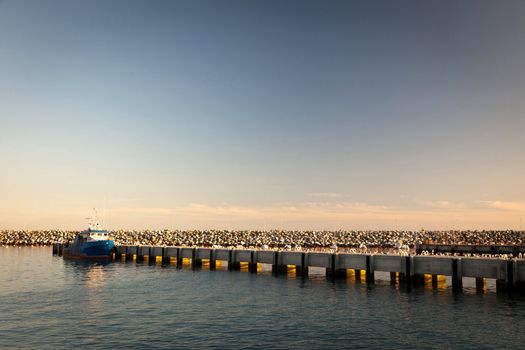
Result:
[
  {"x": 55, "y": 303},
  {"x": 94, "y": 274}
]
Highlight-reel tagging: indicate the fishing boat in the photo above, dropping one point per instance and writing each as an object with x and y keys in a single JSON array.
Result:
[{"x": 93, "y": 243}]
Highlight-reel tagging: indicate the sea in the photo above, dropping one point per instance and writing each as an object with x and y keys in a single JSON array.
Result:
[{"x": 47, "y": 302}]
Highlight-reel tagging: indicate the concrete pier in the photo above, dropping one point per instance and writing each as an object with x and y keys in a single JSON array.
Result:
[
  {"x": 463, "y": 249},
  {"x": 508, "y": 273}
]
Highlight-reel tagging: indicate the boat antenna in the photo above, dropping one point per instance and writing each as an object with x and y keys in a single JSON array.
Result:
[
  {"x": 104, "y": 215},
  {"x": 95, "y": 219}
]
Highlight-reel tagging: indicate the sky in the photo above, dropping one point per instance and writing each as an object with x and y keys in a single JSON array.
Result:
[{"x": 262, "y": 114}]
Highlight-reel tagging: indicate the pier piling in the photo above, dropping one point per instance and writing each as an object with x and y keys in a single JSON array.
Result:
[
  {"x": 213, "y": 260},
  {"x": 480, "y": 284},
  {"x": 180, "y": 259},
  {"x": 457, "y": 276},
  {"x": 434, "y": 281},
  {"x": 393, "y": 277},
  {"x": 369, "y": 269}
]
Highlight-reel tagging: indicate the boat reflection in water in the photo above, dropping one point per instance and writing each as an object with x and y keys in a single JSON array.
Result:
[{"x": 96, "y": 276}]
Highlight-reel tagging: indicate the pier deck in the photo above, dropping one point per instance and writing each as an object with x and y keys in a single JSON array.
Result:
[{"x": 509, "y": 273}]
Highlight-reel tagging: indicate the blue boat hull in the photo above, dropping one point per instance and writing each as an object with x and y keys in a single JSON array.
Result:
[
  {"x": 97, "y": 248},
  {"x": 90, "y": 250}
]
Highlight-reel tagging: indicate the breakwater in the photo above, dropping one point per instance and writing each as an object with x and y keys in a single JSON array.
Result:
[
  {"x": 277, "y": 238},
  {"x": 407, "y": 270}
]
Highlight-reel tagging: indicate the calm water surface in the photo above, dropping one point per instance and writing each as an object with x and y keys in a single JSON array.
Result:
[{"x": 47, "y": 302}]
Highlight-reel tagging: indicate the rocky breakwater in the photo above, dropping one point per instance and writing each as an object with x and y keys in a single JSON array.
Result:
[
  {"x": 35, "y": 237},
  {"x": 276, "y": 238}
]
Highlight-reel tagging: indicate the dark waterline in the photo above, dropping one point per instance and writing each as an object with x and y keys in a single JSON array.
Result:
[{"x": 47, "y": 302}]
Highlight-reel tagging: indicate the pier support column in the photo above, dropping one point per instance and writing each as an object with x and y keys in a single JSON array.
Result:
[
  {"x": 434, "y": 281},
  {"x": 277, "y": 267},
  {"x": 480, "y": 284},
  {"x": 151, "y": 259},
  {"x": 357, "y": 273},
  {"x": 406, "y": 273},
  {"x": 330, "y": 270},
  {"x": 501, "y": 285},
  {"x": 165, "y": 257},
  {"x": 457, "y": 275},
  {"x": 130, "y": 252},
  {"x": 510, "y": 275},
  {"x": 230, "y": 260},
  {"x": 213, "y": 260},
  {"x": 232, "y": 264},
  {"x": 140, "y": 256},
  {"x": 195, "y": 263},
  {"x": 303, "y": 269},
  {"x": 506, "y": 284},
  {"x": 369, "y": 269},
  {"x": 393, "y": 277},
  {"x": 252, "y": 267},
  {"x": 179, "y": 258}
]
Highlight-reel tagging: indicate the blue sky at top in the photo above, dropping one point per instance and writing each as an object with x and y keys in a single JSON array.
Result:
[{"x": 232, "y": 113}]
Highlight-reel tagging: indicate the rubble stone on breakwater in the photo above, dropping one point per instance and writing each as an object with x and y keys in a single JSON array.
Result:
[{"x": 275, "y": 238}]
